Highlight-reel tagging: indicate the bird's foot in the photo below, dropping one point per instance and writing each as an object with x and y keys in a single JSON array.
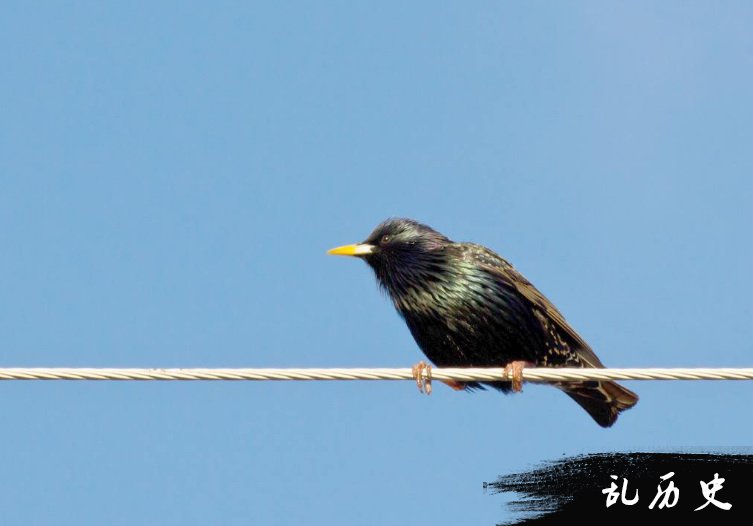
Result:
[
  {"x": 514, "y": 373},
  {"x": 422, "y": 375}
]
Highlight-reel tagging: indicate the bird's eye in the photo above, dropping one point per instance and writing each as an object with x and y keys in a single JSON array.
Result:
[{"x": 386, "y": 238}]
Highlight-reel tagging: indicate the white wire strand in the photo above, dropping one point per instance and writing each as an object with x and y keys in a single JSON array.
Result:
[{"x": 537, "y": 375}]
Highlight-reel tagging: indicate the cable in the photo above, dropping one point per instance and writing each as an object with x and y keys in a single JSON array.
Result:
[{"x": 538, "y": 375}]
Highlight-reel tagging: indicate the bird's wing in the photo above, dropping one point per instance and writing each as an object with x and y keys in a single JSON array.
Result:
[{"x": 498, "y": 266}]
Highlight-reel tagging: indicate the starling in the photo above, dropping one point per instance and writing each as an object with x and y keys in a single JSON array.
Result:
[{"x": 467, "y": 307}]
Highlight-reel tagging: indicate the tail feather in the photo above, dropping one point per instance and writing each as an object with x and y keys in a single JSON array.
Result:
[{"x": 602, "y": 400}]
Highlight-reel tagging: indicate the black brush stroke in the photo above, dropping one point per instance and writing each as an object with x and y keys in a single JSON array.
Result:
[{"x": 571, "y": 488}]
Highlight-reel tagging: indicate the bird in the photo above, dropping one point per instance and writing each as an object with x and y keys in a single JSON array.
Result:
[{"x": 466, "y": 306}]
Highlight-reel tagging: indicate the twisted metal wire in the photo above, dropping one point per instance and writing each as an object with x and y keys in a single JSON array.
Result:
[{"x": 538, "y": 375}]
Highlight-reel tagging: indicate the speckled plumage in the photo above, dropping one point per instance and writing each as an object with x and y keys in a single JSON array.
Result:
[{"x": 468, "y": 307}]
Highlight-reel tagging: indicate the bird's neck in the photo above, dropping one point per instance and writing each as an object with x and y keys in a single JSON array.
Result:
[{"x": 419, "y": 285}]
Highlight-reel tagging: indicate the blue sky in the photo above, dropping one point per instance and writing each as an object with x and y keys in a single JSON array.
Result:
[{"x": 171, "y": 175}]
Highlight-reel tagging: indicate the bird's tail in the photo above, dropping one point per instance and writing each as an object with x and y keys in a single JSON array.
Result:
[{"x": 602, "y": 400}]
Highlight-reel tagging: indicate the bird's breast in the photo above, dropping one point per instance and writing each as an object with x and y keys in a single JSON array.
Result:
[{"x": 468, "y": 324}]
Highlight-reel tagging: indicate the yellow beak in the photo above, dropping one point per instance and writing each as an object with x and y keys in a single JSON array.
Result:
[{"x": 352, "y": 250}]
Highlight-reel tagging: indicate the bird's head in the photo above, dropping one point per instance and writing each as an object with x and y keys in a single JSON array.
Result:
[{"x": 403, "y": 253}]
